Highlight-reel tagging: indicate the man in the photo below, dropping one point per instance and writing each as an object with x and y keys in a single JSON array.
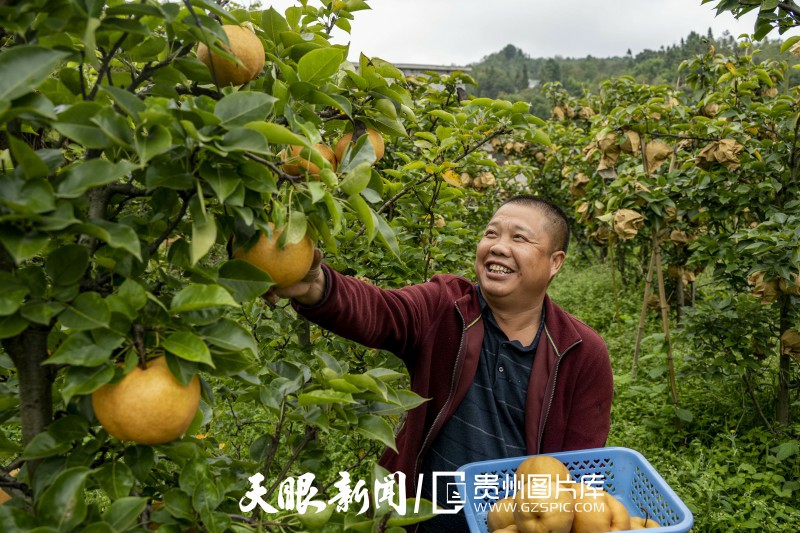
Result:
[{"x": 508, "y": 373}]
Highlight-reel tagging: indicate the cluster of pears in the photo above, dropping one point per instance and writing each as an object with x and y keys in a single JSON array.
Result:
[
  {"x": 290, "y": 264},
  {"x": 563, "y": 510},
  {"x": 295, "y": 164}
]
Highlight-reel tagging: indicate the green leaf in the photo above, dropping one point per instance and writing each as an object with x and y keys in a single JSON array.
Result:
[
  {"x": 540, "y": 137},
  {"x": 204, "y": 235},
  {"x": 684, "y": 415},
  {"x": 376, "y": 428},
  {"x": 786, "y": 450},
  {"x": 133, "y": 294},
  {"x": 183, "y": 370},
  {"x": 319, "y": 64},
  {"x": 324, "y": 397},
  {"x": 387, "y": 236},
  {"x": 116, "y": 235},
  {"x": 90, "y": 42},
  {"x": 11, "y": 299},
  {"x": 241, "y": 107},
  {"x": 75, "y": 123},
  {"x": 245, "y": 281},
  {"x": 41, "y": 312},
  {"x": 244, "y": 140},
  {"x": 178, "y": 504},
  {"x": 69, "y": 428},
  {"x": 206, "y": 496},
  {"x": 116, "y": 127},
  {"x": 224, "y": 180},
  {"x": 364, "y": 213},
  {"x": 156, "y": 142},
  {"x": 295, "y": 229},
  {"x": 80, "y": 380},
  {"x": 442, "y": 115},
  {"x": 80, "y": 349},
  {"x": 276, "y": 134},
  {"x": 230, "y": 363},
  {"x": 88, "y": 311},
  {"x": 25, "y": 67},
  {"x": 357, "y": 179},
  {"x": 273, "y": 24},
  {"x": 115, "y": 479},
  {"x": 22, "y": 246},
  {"x": 27, "y": 159},
  {"x": 197, "y": 296},
  {"x": 43, "y": 445},
  {"x": 67, "y": 264},
  {"x": 126, "y": 100},
  {"x": 188, "y": 346},
  {"x": 788, "y": 43},
  {"x": 424, "y": 513},
  {"x": 365, "y": 382},
  {"x": 27, "y": 196},
  {"x": 141, "y": 460},
  {"x": 83, "y": 176},
  {"x": 123, "y": 514},
  {"x": 62, "y": 505},
  {"x": 230, "y": 335}
]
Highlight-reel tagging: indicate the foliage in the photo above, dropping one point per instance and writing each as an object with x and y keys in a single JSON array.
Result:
[
  {"x": 513, "y": 74},
  {"x": 126, "y": 173}
]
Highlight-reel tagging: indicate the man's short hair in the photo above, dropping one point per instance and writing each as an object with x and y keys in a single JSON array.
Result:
[{"x": 558, "y": 224}]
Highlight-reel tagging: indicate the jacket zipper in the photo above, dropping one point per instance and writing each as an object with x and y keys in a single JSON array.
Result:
[
  {"x": 447, "y": 402},
  {"x": 552, "y": 392}
]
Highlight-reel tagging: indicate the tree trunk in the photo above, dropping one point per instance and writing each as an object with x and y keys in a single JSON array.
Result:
[
  {"x": 643, "y": 315},
  {"x": 784, "y": 369},
  {"x": 28, "y": 350},
  {"x": 679, "y": 307},
  {"x": 665, "y": 319}
]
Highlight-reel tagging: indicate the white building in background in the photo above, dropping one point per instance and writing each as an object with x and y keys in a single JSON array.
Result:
[{"x": 417, "y": 69}]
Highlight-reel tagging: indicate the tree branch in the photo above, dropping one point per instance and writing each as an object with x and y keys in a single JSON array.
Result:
[
  {"x": 166, "y": 233},
  {"x": 105, "y": 68},
  {"x": 791, "y": 8},
  {"x": 310, "y": 434}
]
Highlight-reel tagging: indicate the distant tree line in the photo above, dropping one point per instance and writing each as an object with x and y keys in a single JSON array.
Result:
[{"x": 514, "y": 75}]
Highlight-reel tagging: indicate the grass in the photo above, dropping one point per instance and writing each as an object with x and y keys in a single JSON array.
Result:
[{"x": 732, "y": 472}]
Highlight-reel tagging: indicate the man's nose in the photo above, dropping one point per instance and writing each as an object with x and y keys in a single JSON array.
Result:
[{"x": 499, "y": 247}]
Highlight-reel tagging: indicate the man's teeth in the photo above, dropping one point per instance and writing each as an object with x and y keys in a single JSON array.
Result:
[{"x": 499, "y": 269}]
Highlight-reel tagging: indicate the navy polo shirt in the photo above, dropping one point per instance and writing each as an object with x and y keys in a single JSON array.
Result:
[{"x": 489, "y": 423}]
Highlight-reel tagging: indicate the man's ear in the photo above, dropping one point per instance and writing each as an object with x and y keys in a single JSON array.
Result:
[{"x": 556, "y": 261}]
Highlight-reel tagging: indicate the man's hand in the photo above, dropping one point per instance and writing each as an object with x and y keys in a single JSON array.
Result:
[{"x": 308, "y": 291}]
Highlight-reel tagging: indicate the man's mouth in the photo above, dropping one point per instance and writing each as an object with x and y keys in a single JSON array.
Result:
[{"x": 498, "y": 269}]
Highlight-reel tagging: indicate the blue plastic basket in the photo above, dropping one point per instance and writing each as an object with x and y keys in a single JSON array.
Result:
[{"x": 626, "y": 474}]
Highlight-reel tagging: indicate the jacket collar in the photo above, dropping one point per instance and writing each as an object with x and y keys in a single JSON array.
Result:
[{"x": 560, "y": 330}]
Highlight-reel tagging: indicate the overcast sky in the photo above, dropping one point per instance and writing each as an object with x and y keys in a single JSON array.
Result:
[{"x": 460, "y": 32}]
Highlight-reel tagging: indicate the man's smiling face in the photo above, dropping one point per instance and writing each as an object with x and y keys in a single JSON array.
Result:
[{"x": 515, "y": 259}]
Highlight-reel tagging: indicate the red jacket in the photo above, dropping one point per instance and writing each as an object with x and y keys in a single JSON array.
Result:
[{"x": 436, "y": 329}]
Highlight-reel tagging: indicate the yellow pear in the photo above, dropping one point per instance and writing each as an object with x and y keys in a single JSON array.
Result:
[
  {"x": 597, "y": 511},
  {"x": 544, "y": 502},
  {"x": 245, "y": 46},
  {"x": 637, "y": 522},
  {"x": 286, "y": 266},
  {"x": 374, "y": 137},
  {"x": 501, "y": 514},
  {"x": 147, "y": 406}
]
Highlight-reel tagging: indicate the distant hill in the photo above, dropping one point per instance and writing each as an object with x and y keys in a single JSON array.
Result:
[{"x": 514, "y": 75}]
